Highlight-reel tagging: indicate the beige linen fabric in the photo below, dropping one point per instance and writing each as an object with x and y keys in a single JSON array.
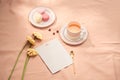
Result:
[{"x": 96, "y": 59}]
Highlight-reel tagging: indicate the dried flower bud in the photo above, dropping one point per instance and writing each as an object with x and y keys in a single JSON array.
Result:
[
  {"x": 37, "y": 35},
  {"x": 53, "y": 33},
  {"x": 30, "y": 40},
  {"x": 57, "y": 31},
  {"x": 31, "y": 52},
  {"x": 49, "y": 29},
  {"x": 72, "y": 54}
]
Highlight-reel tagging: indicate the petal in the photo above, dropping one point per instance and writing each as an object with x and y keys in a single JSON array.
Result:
[
  {"x": 37, "y": 35},
  {"x": 30, "y": 40}
]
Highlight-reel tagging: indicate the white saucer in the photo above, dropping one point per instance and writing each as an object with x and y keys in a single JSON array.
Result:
[
  {"x": 42, "y": 24},
  {"x": 83, "y": 36}
]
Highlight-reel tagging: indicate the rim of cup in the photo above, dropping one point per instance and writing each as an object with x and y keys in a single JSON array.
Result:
[{"x": 74, "y": 23}]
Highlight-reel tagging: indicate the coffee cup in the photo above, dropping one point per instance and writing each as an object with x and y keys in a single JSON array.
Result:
[{"x": 73, "y": 30}]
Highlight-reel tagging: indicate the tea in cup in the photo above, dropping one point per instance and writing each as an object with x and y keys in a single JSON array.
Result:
[{"x": 73, "y": 30}]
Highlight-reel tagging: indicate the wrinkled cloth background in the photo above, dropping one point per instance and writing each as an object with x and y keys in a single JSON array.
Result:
[{"x": 96, "y": 59}]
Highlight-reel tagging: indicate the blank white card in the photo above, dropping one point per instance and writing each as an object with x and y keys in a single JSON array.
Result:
[{"x": 54, "y": 55}]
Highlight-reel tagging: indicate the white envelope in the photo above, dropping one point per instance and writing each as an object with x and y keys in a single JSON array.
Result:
[{"x": 54, "y": 55}]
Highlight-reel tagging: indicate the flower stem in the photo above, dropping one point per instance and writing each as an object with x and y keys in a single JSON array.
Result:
[
  {"x": 16, "y": 61},
  {"x": 25, "y": 65}
]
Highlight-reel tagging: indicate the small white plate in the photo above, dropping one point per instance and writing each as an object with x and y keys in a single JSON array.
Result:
[
  {"x": 42, "y": 24},
  {"x": 83, "y": 36}
]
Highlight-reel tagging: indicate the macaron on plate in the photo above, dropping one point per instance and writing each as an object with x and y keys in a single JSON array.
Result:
[{"x": 42, "y": 17}]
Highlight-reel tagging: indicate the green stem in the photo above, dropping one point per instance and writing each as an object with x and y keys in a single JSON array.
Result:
[
  {"x": 25, "y": 66},
  {"x": 16, "y": 61}
]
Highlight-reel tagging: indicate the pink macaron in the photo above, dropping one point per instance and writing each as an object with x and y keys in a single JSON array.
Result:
[
  {"x": 45, "y": 17},
  {"x": 42, "y": 11}
]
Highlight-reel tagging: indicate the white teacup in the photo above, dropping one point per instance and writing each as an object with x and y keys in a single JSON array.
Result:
[{"x": 73, "y": 30}]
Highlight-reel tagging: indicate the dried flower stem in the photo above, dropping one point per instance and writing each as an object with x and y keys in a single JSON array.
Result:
[
  {"x": 9, "y": 78},
  {"x": 25, "y": 66},
  {"x": 72, "y": 54},
  {"x": 74, "y": 67}
]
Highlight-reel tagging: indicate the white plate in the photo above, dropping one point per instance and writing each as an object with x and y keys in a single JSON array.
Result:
[
  {"x": 83, "y": 36},
  {"x": 42, "y": 24}
]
